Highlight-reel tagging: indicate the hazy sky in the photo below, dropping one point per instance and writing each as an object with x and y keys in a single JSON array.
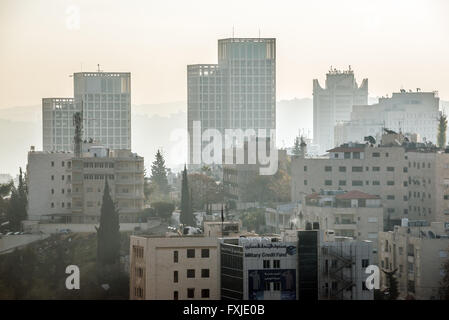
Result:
[{"x": 393, "y": 43}]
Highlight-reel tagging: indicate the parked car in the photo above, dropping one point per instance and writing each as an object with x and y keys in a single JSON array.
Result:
[
  {"x": 65, "y": 231},
  {"x": 9, "y": 233}
]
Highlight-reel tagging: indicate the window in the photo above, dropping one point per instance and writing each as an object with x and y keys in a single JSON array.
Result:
[
  {"x": 391, "y": 169},
  {"x": 405, "y": 169},
  {"x": 376, "y": 168},
  {"x": 205, "y": 293},
  {"x": 52, "y": 163},
  {"x": 62, "y": 177},
  {"x": 175, "y": 256},
  {"x": 204, "y": 273},
  {"x": 266, "y": 264},
  {"x": 342, "y": 182},
  {"x": 175, "y": 276},
  {"x": 347, "y": 155},
  {"x": 376, "y": 154},
  {"x": 62, "y": 164},
  {"x": 190, "y": 273},
  {"x": 191, "y": 293},
  {"x": 376, "y": 183},
  {"x": 276, "y": 264},
  {"x": 52, "y": 204},
  {"x": 276, "y": 286},
  {"x": 267, "y": 286},
  {"x": 204, "y": 253},
  {"x": 356, "y": 155},
  {"x": 305, "y": 168},
  {"x": 365, "y": 263},
  {"x": 357, "y": 182},
  {"x": 372, "y": 219},
  {"x": 190, "y": 253},
  {"x": 443, "y": 254},
  {"x": 357, "y": 169},
  {"x": 328, "y": 182},
  {"x": 342, "y": 169},
  {"x": 327, "y": 168},
  {"x": 52, "y": 177},
  {"x": 390, "y": 183},
  {"x": 305, "y": 182},
  {"x": 390, "y": 197},
  {"x": 175, "y": 295}
]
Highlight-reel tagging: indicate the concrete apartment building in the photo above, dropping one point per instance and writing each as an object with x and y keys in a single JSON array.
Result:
[
  {"x": 411, "y": 178},
  {"x": 352, "y": 214},
  {"x": 64, "y": 187},
  {"x": 330, "y": 267},
  {"x": 174, "y": 268},
  {"x": 409, "y": 112},
  {"x": 104, "y": 98},
  {"x": 417, "y": 250},
  {"x": 333, "y": 104},
  {"x": 237, "y": 93}
]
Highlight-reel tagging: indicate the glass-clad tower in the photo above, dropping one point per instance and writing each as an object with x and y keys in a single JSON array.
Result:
[
  {"x": 237, "y": 93},
  {"x": 105, "y": 101}
]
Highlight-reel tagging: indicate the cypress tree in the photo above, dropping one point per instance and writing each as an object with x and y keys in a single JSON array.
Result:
[
  {"x": 442, "y": 127},
  {"x": 297, "y": 147},
  {"x": 186, "y": 216},
  {"x": 108, "y": 234},
  {"x": 393, "y": 291},
  {"x": 159, "y": 173},
  {"x": 17, "y": 208}
]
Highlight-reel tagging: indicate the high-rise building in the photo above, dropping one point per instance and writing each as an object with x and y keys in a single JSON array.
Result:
[
  {"x": 104, "y": 98},
  {"x": 237, "y": 93},
  {"x": 334, "y": 103}
]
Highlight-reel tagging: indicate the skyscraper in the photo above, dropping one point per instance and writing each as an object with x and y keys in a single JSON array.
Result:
[
  {"x": 105, "y": 101},
  {"x": 334, "y": 103},
  {"x": 237, "y": 93}
]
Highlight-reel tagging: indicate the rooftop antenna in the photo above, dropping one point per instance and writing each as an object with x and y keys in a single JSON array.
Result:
[
  {"x": 98, "y": 70},
  {"x": 232, "y": 31},
  {"x": 259, "y": 33}
]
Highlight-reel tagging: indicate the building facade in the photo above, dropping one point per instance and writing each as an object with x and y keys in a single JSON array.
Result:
[
  {"x": 258, "y": 268},
  {"x": 352, "y": 214},
  {"x": 333, "y": 104},
  {"x": 104, "y": 99},
  {"x": 174, "y": 268},
  {"x": 417, "y": 251},
  {"x": 64, "y": 187},
  {"x": 412, "y": 179},
  {"x": 237, "y": 93}
]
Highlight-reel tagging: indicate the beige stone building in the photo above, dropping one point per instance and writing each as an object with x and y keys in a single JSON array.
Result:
[
  {"x": 353, "y": 214},
  {"x": 412, "y": 179},
  {"x": 174, "y": 268},
  {"x": 417, "y": 251},
  {"x": 70, "y": 189}
]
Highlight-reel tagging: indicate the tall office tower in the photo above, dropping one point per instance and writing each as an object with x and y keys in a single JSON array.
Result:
[
  {"x": 334, "y": 103},
  {"x": 237, "y": 93},
  {"x": 105, "y": 101},
  {"x": 57, "y": 124}
]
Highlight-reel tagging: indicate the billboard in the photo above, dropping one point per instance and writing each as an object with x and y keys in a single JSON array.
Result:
[{"x": 279, "y": 280}]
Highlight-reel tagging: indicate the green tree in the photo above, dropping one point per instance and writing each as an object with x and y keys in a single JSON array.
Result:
[
  {"x": 108, "y": 234},
  {"x": 163, "y": 209},
  {"x": 254, "y": 220},
  {"x": 186, "y": 216},
  {"x": 17, "y": 209},
  {"x": 442, "y": 127},
  {"x": 159, "y": 174},
  {"x": 297, "y": 146},
  {"x": 392, "y": 284}
]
